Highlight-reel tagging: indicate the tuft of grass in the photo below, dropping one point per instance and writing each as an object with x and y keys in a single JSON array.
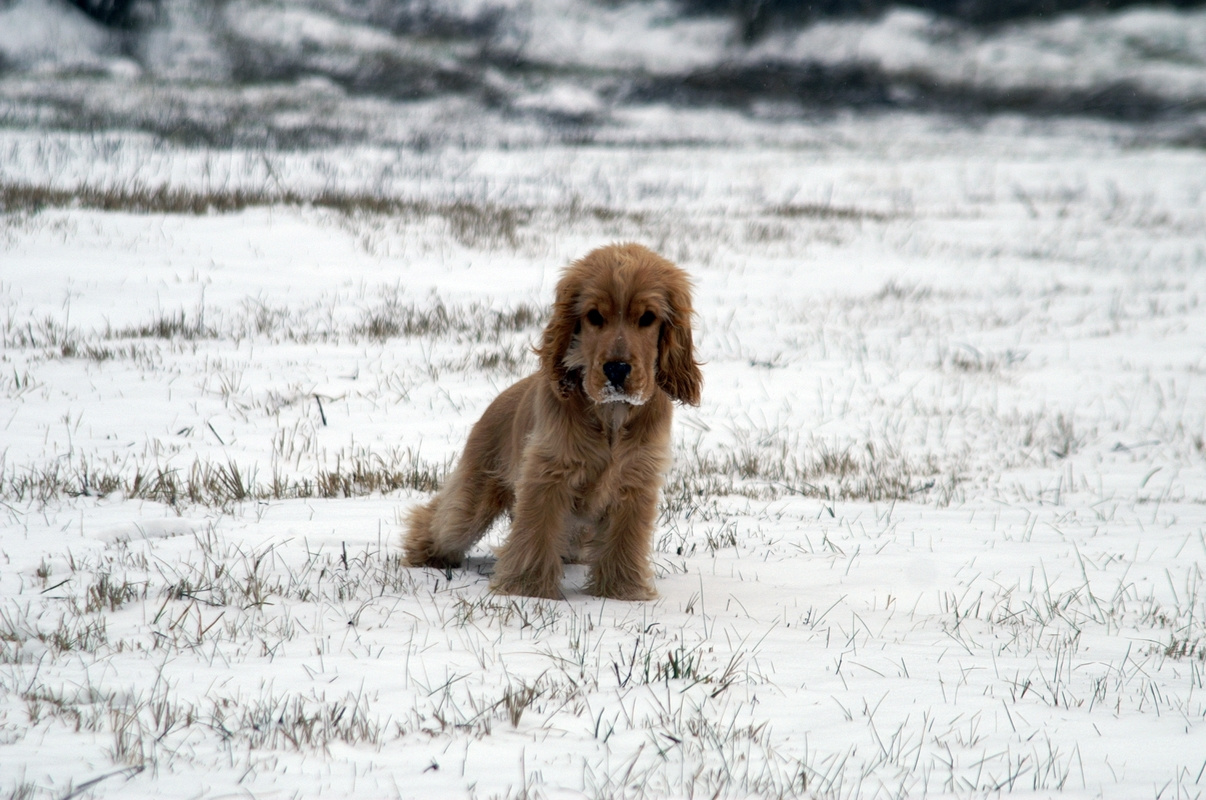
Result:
[
  {"x": 228, "y": 577},
  {"x": 647, "y": 663},
  {"x": 391, "y": 316},
  {"x": 172, "y": 326},
  {"x": 518, "y": 699},
  {"x": 825, "y": 211},
  {"x": 24, "y": 790},
  {"x": 1186, "y": 648},
  {"x": 505, "y": 359},
  {"x": 80, "y": 709},
  {"x": 476, "y": 323},
  {"x": 1058, "y": 436},
  {"x": 771, "y": 467},
  {"x": 300, "y": 723},
  {"x": 78, "y": 634},
  {"x": 471, "y": 223},
  {"x": 20, "y": 383},
  {"x": 972, "y": 360},
  {"x": 370, "y": 473},
  {"x": 105, "y": 593},
  {"x": 221, "y": 485},
  {"x": 720, "y": 538}
]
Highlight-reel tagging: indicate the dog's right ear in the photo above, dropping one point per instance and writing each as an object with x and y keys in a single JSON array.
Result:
[{"x": 560, "y": 332}]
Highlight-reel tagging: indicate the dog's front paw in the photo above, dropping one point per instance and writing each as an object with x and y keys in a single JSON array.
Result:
[
  {"x": 526, "y": 586},
  {"x": 527, "y": 570},
  {"x": 617, "y": 588}
]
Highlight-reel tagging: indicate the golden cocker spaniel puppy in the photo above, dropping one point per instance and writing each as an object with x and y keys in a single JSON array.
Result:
[{"x": 575, "y": 453}]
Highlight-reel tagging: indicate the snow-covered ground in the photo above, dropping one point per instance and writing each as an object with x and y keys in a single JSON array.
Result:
[{"x": 937, "y": 529}]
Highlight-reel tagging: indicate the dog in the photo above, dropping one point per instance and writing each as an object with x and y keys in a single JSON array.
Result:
[{"x": 576, "y": 452}]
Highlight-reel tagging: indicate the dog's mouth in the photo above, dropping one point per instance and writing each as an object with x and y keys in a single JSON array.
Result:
[{"x": 610, "y": 394}]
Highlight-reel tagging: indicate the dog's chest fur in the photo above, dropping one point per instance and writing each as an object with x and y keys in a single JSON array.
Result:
[{"x": 609, "y": 475}]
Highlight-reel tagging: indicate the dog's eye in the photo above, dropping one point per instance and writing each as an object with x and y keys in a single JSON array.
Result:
[
  {"x": 595, "y": 318},
  {"x": 647, "y": 319}
]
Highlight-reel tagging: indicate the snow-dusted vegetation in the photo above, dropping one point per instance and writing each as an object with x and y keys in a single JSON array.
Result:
[{"x": 937, "y": 529}]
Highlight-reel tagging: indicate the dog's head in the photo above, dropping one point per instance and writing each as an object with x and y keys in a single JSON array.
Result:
[{"x": 621, "y": 328}]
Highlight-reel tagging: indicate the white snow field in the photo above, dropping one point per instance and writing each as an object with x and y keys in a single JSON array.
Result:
[{"x": 937, "y": 529}]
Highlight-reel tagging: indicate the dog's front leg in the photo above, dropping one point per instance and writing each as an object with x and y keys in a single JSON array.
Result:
[
  {"x": 621, "y": 566},
  {"x": 529, "y": 562}
]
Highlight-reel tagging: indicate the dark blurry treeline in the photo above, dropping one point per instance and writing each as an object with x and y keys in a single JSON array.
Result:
[
  {"x": 979, "y": 12},
  {"x": 755, "y": 17},
  {"x": 115, "y": 13}
]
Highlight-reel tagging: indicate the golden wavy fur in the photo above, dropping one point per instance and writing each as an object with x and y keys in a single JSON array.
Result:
[{"x": 576, "y": 452}]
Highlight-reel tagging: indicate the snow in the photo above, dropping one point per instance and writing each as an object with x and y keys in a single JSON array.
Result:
[
  {"x": 41, "y": 35},
  {"x": 937, "y": 529},
  {"x": 1007, "y": 319}
]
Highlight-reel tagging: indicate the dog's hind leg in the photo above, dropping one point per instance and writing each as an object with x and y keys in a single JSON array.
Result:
[{"x": 441, "y": 532}]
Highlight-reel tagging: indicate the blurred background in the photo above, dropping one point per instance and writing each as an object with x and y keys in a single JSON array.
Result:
[{"x": 319, "y": 72}]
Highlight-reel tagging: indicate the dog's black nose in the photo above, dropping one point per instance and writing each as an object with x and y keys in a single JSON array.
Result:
[{"x": 617, "y": 372}]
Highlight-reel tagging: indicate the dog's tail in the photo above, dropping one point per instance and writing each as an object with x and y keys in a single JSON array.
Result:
[{"x": 418, "y": 543}]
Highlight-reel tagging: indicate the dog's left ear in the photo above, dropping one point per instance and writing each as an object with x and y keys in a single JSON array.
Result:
[
  {"x": 560, "y": 331},
  {"x": 678, "y": 372}
]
